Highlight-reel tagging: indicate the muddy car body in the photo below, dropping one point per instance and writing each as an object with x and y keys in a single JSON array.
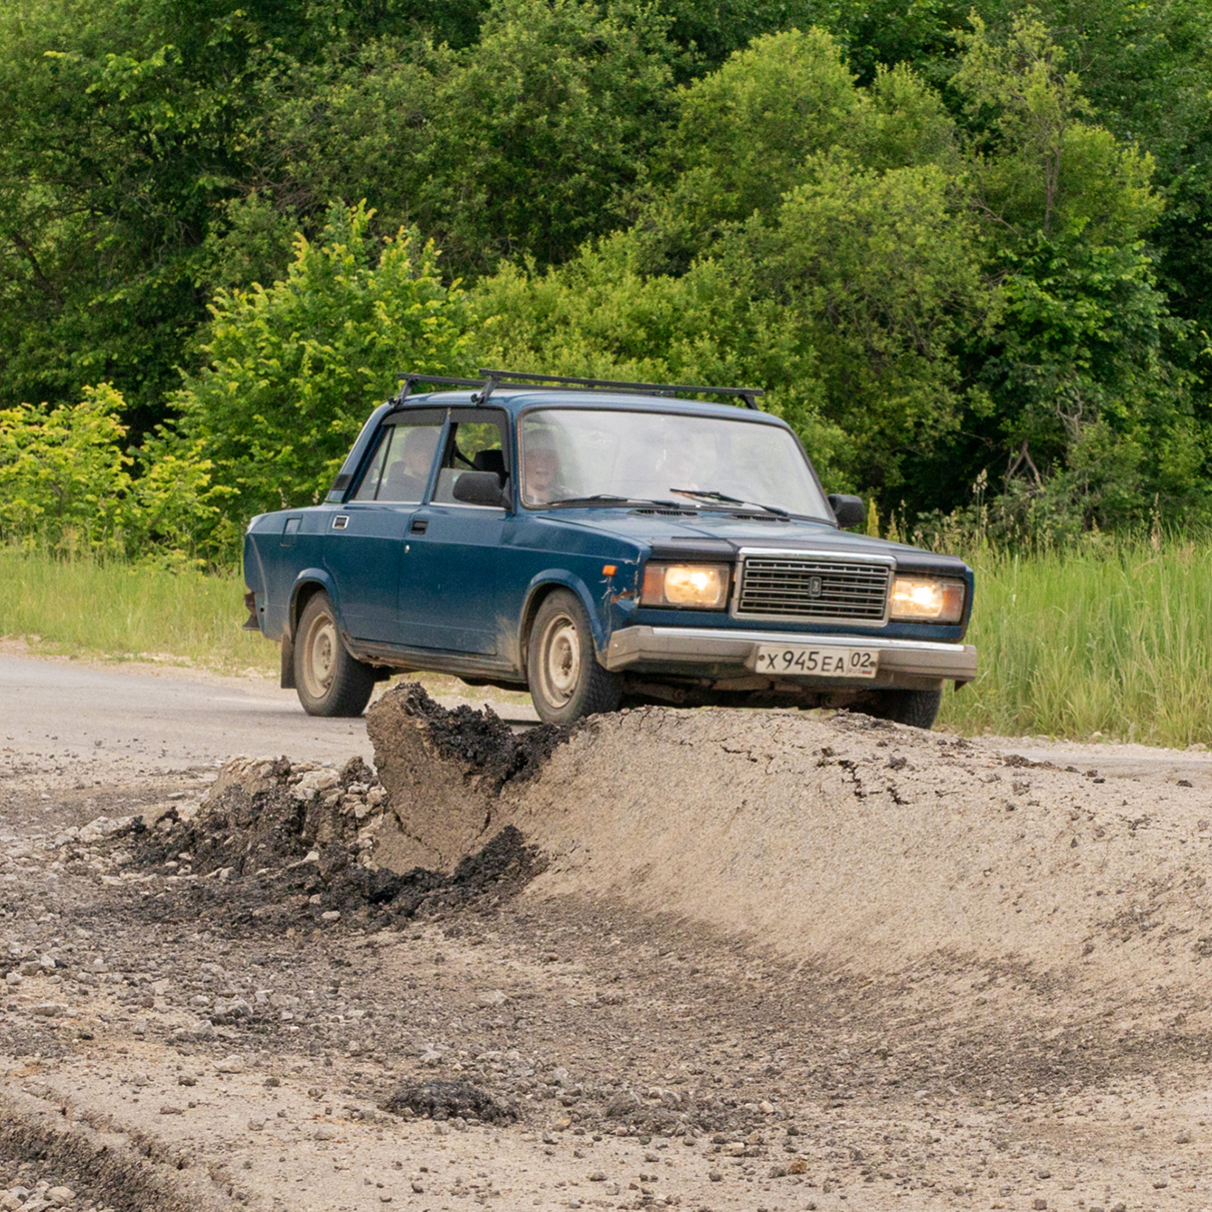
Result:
[{"x": 599, "y": 544}]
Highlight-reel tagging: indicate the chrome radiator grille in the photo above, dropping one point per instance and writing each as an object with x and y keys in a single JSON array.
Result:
[{"x": 813, "y": 588}]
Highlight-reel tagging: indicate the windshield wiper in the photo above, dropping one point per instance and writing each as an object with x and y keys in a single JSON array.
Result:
[
  {"x": 724, "y": 499},
  {"x": 606, "y": 498}
]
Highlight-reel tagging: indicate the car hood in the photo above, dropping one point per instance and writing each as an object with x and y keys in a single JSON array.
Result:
[{"x": 721, "y": 536}]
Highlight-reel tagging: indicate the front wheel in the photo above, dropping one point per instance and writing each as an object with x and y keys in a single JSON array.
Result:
[
  {"x": 329, "y": 681},
  {"x": 917, "y": 708},
  {"x": 566, "y": 681}
]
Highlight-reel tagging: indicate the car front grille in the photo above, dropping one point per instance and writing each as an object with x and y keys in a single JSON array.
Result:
[{"x": 813, "y": 588}]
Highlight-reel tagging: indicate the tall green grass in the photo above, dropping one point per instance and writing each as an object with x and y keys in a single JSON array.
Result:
[
  {"x": 1115, "y": 639},
  {"x": 123, "y": 611}
]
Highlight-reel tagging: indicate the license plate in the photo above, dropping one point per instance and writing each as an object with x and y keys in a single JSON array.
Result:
[{"x": 831, "y": 662}]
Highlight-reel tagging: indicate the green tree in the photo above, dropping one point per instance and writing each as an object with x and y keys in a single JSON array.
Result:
[
  {"x": 522, "y": 145},
  {"x": 119, "y": 126},
  {"x": 759, "y": 126},
  {"x": 845, "y": 305},
  {"x": 883, "y": 274},
  {"x": 292, "y": 371},
  {"x": 1080, "y": 407},
  {"x": 128, "y": 130},
  {"x": 64, "y": 476},
  {"x": 811, "y": 239},
  {"x": 1038, "y": 164},
  {"x": 1082, "y": 384}
]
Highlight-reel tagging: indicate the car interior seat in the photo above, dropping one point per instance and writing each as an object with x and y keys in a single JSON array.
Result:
[
  {"x": 490, "y": 460},
  {"x": 400, "y": 485}
]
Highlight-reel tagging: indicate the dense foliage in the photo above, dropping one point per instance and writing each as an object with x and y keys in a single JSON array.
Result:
[
  {"x": 958, "y": 247},
  {"x": 291, "y": 373}
]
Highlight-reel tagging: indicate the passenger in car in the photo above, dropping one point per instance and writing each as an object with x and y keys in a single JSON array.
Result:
[
  {"x": 406, "y": 479},
  {"x": 677, "y": 468}
]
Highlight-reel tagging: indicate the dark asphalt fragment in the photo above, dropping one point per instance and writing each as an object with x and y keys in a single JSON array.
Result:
[{"x": 446, "y": 1100}]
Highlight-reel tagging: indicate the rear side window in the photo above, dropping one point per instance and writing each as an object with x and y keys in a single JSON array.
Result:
[{"x": 399, "y": 469}]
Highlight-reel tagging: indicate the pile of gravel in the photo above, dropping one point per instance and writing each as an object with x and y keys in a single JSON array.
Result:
[{"x": 272, "y": 836}]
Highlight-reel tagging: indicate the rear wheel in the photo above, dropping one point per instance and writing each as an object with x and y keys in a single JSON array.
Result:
[
  {"x": 328, "y": 680},
  {"x": 917, "y": 708},
  {"x": 566, "y": 681}
]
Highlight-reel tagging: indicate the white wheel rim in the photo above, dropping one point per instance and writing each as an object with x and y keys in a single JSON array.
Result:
[
  {"x": 560, "y": 665},
  {"x": 320, "y": 655}
]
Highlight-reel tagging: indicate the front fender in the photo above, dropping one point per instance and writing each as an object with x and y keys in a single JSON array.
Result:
[{"x": 546, "y": 580}]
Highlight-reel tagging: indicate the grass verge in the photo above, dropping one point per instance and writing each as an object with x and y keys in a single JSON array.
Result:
[
  {"x": 1114, "y": 640},
  {"x": 126, "y": 612}
]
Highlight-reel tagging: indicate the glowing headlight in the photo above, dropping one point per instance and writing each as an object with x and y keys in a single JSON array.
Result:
[
  {"x": 927, "y": 598},
  {"x": 700, "y": 586}
]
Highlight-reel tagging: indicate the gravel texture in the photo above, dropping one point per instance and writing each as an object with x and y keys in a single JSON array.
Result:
[{"x": 702, "y": 959}]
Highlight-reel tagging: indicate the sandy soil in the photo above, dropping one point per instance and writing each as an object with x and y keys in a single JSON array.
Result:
[{"x": 727, "y": 961}]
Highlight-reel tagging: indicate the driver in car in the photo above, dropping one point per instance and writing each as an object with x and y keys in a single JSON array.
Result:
[{"x": 541, "y": 476}]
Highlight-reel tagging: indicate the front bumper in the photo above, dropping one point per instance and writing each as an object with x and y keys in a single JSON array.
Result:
[{"x": 704, "y": 653}]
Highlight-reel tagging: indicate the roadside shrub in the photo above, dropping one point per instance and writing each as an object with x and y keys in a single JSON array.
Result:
[
  {"x": 64, "y": 478},
  {"x": 68, "y": 484},
  {"x": 293, "y": 371}
]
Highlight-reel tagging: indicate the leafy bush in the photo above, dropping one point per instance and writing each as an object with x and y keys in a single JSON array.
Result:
[
  {"x": 66, "y": 483},
  {"x": 292, "y": 371},
  {"x": 63, "y": 474}
]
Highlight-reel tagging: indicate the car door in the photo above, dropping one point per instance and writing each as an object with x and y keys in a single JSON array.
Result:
[
  {"x": 448, "y": 580},
  {"x": 367, "y": 534}
]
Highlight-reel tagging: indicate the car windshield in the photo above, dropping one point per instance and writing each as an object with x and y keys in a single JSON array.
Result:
[{"x": 617, "y": 457}]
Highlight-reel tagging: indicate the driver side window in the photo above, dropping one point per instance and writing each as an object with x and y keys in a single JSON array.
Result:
[{"x": 472, "y": 445}]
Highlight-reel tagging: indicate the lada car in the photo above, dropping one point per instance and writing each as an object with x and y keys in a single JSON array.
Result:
[{"x": 600, "y": 543}]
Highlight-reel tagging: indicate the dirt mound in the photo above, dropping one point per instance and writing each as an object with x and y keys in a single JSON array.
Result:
[
  {"x": 278, "y": 838},
  {"x": 874, "y": 847},
  {"x": 444, "y": 772},
  {"x": 845, "y": 841},
  {"x": 842, "y": 840}
]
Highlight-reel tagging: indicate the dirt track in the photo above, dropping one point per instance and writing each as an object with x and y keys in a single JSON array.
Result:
[{"x": 907, "y": 972}]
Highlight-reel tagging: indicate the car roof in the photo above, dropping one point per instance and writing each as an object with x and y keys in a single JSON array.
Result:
[{"x": 515, "y": 400}]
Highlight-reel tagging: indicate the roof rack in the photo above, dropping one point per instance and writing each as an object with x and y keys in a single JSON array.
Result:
[
  {"x": 411, "y": 379},
  {"x": 496, "y": 377},
  {"x": 490, "y": 380}
]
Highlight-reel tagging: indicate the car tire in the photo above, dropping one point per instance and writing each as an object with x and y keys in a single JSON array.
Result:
[
  {"x": 328, "y": 681},
  {"x": 566, "y": 681},
  {"x": 917, "y": 708}
]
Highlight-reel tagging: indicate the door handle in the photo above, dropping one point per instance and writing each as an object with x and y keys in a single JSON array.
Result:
[{"x": 419, "y": 526}]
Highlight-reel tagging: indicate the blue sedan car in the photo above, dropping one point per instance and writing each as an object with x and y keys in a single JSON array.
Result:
[{"x": 599, "y": 543}]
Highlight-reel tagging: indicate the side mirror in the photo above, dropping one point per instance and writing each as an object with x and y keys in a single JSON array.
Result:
[
  {"x": 848, "y": 510},
  {"x": 480, "y": 488}
]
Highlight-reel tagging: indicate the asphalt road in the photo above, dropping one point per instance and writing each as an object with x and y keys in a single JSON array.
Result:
[
  {"x": 168, "y": 718},
  {"x": 163, "y": 720}
]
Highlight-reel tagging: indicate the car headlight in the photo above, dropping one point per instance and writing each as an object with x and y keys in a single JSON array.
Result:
[
  {"x": 927, "y": 598},
  {"x": 699, "y": 586}
]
